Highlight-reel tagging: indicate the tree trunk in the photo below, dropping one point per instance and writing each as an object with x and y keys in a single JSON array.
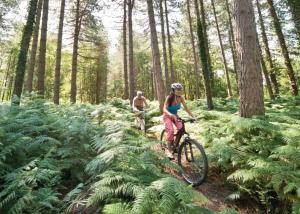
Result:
[
  {"x": 130, "y": 35},
  {"x": 229, "y": 91},
  {"x": 196, "y": 68},
  {"x": 22, "y": 57},
  {"x": 163, "y": 35},
  {"x": 294, "y": 6},
  {"x": 173, "y": 79},
  {"x": 42, "y": 51},
  {"x": 267, "y": 49},
  {"x": 251, "y": 83},
  {"x": 153, "y": 89},
  {"x": 10, "y": 88},
  {"x": 285, "y": 52},
  {"x": 265, "y": 70},
  {"x": 58, "y": 53},
  {"x": 232, "y": 42},
  {"x": 156, "y": 57},
  {"x": 204, "y": 29},
  {"x": 75, "y": 53},
  {"x": 34, "y": 45},
  {"x": 125, "y": 65},
  {"x": 4, "y": 84},
  {"x": 204, "y": 63}
]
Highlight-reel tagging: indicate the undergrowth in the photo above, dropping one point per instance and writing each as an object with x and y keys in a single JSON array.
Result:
[
  {"x": 58, "y": 159},
  {"x": 260, "y": 155}
]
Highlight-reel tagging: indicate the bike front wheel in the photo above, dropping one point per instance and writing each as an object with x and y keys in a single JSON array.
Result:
[{"x": 193, "y": 162}]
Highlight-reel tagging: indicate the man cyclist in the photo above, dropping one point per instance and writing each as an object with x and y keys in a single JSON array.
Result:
[{"x": 138, "y": 104}]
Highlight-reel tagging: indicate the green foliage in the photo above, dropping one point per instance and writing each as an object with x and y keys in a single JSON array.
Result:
[
  {"x": 38, "y": 157},
  {"x": 49, "y": 153},
  {"x": 261, "y": 155}
]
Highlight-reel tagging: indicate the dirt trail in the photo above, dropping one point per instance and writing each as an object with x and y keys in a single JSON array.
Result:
[{"x": 216, "y": 189}]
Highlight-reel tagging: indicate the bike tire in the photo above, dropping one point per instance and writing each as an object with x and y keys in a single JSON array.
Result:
[
  {"x": 193, "y": 146},
  {"x": 143, "y": 126},
  {"x": 163, "y": 142}
]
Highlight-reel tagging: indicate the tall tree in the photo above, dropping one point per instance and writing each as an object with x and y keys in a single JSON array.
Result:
[
  {"x": 34, "y": 46},
  {"x": 125, "y": 65},
  {"x": 294, "y": 6},
  {"x": 42, "y": 50},
  {"x": 164, "y": 45},
  {"x": 250, "y": 78},
  {"x": 229, "y": 91},
  {"x": 130, "y": 44},
  {"x": 58, "y": 53},
  {"x": 204, "y": 29},
  {"x": 156, "y": 56},
  {"x": 204, "y": 63},
  {"x": 267, "y": 49},
  {"x": 232, "y": 41},
  {"x": 77, "y": 28},
  {"x": 173, "y": 79},
  {"x": 265, "y": 71},
  {"x": 196, "y": 68},
  {"x": 284, "y": 49},
  {"x": 21, "y": 64}
]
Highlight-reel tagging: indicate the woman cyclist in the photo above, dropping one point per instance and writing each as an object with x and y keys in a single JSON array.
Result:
[{"x": 172, "y": 105}]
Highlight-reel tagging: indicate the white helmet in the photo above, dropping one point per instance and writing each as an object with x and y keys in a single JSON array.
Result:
[
  {"x": 175, "y": 86},
  {"x": 139, "y": 93}
]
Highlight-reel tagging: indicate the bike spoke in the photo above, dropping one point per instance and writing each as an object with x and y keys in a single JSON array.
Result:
[{"x": 192, "y": 162}]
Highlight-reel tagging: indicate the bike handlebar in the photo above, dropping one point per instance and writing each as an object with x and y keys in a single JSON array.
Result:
[{"x": 191, "y": 120}]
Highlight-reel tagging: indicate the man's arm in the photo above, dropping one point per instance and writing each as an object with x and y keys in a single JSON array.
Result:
[{"x": 146, "y": 104}]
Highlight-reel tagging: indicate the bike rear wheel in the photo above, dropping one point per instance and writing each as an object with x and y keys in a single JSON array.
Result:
[
  {"x": 193, "y": 162},
  {"x": 163, "y": 140}
]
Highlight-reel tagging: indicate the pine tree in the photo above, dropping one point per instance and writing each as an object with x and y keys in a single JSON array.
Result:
[
  {"x": 250, "y": 82},
  {"x": 22, "y": 57}
]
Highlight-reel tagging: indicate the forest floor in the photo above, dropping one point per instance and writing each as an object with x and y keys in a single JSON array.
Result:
[{"x": 216, "y": 188}]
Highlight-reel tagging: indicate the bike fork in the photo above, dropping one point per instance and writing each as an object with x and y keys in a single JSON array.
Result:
[{"x": 188, "y": 150}]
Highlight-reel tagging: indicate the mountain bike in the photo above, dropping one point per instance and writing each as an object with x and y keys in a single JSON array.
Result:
[
  {"x": 140, "y": 121},
  {"x": 191, "y": 155}
]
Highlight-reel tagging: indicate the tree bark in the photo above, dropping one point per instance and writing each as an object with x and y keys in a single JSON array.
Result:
[
  {"x": 232, "y": 42},
  {"x": 173, "y": 78},
  {"x": 163, "y": 35},
  {"x": 8, "y": 69},
  {"x": 204, "y": 29},
  {"x": 250, "y": 78},
  {"x": 294, "y": 6},
  {"x": 267, "y": 50},
  {"x": 204, "y": 63},
  {"x": 131, "y": 68},
  {"x": 42, "y": 50},
  {"x": 229, "y": 91},
  {"x": 22, "y": 57},
  {"x": 284, "y": 49},
  {"x": 125, "y": 65},
  {"x": 34, "y": 46},
  {"x": 156, "y": 56},
  {"x": 58, "y": 53},
  {"x": 265, "y": 70},
  {"x": 75, "y": 53},
  {"x": 196, "y": 68}
]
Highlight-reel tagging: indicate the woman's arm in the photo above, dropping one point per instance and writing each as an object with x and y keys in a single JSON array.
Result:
[
  {"x": 165, "y": 107},
  {"x": 185, "y": 107},
  {"x": 166, "y": 110}
]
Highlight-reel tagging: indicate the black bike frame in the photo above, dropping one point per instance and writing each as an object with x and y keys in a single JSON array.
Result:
[{"x": 180, "y": 133}]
